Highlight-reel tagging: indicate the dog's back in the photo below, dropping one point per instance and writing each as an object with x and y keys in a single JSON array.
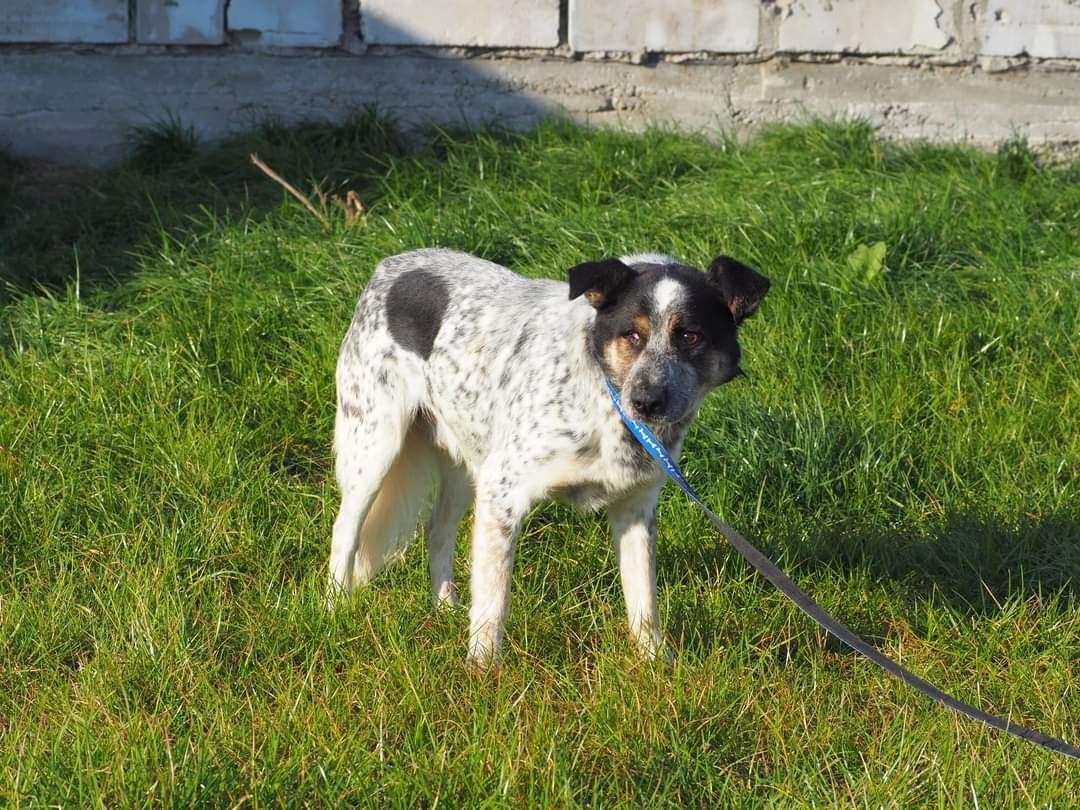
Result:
[{"x": 485, "y": 345}]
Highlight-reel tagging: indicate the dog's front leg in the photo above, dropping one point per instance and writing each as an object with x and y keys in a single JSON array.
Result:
[
  {"x": 495, "y": 530},
  {"x": 633, "y": 527}
]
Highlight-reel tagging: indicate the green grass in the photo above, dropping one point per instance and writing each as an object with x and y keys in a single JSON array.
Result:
[{"x": 906, "y": 447}]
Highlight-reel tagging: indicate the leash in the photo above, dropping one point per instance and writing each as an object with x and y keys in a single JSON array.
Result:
[{"x": 655, "y": 448}]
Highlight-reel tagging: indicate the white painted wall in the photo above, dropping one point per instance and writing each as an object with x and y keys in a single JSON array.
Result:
[
  {"x": 725, "y": 26},
  {"x": 1040, "y": 28},
  {"x": 477, "y": 23},
  {"x": 86, "y": 21},
  {"x": 287, "y": 23},
  {"x": 865, "y": 26}
]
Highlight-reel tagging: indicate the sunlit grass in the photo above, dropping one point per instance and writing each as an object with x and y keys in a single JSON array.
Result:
[{"x": 906, "y": 447}]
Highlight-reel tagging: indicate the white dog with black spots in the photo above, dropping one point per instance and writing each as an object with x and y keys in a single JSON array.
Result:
[{"x": 461, "y": 380}]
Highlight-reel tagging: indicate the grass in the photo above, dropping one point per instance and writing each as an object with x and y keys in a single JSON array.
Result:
[{"x": 906, "y": 447}]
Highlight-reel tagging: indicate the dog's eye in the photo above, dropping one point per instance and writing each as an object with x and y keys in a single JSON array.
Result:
[
  {"x": 691, "y": 339},
  {"x": 633, "y": 338}
]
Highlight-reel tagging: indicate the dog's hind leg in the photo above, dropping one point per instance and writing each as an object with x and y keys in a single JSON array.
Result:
[
  {"x": 373, "y": 420},
  {"x": 393, "y": 519},
  {"x": 455, "y": 496},
  {"x": 366, "y": 447}
]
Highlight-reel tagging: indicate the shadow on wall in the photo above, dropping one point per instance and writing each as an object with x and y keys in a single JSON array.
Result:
[
  {"x": 82, "y": 105},
  {"x": 353, "y": 112}
]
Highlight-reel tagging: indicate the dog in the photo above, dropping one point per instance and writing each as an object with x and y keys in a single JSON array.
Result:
[{"x": 461, "y": 382}]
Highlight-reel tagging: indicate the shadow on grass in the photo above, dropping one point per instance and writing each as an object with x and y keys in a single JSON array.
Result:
[
  {"x": 972, "y": 566},
  {"x": 843, "y": 497},
  {"x": 57, "y": 225}
]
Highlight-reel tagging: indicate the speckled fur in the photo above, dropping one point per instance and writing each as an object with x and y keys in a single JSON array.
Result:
[{"x": 506, "y": 405}]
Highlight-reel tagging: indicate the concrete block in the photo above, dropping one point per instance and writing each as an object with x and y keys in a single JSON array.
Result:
[
  {"x": 316, "y": 23},
  {"x": 77, "y": 105},
  {"x": 863, "y": 26},
  {"x": 482, "y": 23},
  {"x": 673, "y": 26},
  {"x": 1042, "y": 28},
  {"x": 64, "y": 21},
  {"x": 180, "y": 22}
]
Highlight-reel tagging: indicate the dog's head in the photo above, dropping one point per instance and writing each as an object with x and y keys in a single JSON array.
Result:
[{"x": 664, "y": 332}]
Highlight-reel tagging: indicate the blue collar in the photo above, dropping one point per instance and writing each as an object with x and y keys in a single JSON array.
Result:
[{"x": 653, "y": 446}]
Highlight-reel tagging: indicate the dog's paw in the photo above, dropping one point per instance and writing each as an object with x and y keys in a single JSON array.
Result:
[
  {"x": 655, "y": 649},
  {"x": 482, "y": 669},
  {"x": 446, "y": 598},
  {"x": 482, "y": 659}
]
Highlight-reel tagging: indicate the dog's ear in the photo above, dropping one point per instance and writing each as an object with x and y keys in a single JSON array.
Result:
[
  {"x": 741, "y": 287},
  {"x": 599, "y": 281}
]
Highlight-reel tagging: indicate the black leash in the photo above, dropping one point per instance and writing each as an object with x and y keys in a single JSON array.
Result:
[{"x": 655, "y": 448}]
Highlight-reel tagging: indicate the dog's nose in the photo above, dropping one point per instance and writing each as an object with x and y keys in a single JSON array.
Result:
[{"x": 650, "y": 401}]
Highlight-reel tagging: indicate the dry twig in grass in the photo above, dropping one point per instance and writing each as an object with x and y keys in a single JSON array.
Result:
[
  {"x": 277, "y": 178},
  {"x": 351, "y": 205}
]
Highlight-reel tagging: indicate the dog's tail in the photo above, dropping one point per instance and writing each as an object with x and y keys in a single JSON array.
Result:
[{"x": 404, "y": 498}]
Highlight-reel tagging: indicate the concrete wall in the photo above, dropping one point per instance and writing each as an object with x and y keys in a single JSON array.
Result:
[{"x": 76, "y": 74}]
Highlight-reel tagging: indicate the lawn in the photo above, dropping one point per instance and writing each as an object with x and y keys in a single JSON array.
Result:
[{"x": 906, "y": 446}]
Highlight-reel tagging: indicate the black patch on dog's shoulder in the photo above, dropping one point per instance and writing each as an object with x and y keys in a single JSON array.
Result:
[{"x": 415, "y": 307}]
